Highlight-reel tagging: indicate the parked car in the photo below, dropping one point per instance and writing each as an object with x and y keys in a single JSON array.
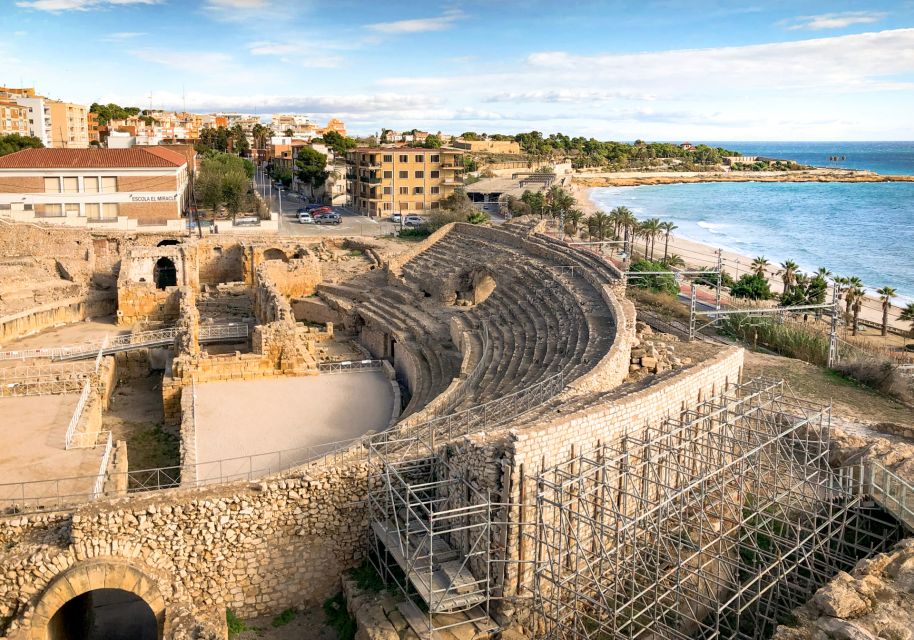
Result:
[
  {"x": 313, "y": 207},
  {"x": 396, "y": 217},
  {"x": 328, "y": 218},
  {"x": 321, "y": 209},
  {"x": 413, "y": 221},
  {"x": 305, "y": 218}
]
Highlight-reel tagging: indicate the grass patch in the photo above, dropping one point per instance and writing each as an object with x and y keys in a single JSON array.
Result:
[
  {"x": 784, "y": 339},
  {"x": 284, "y": 618},
  {"x": 235, "y": 625},
  {"x": 414, "y": 233},
  {"x": 880, "y": 376},
  {"x": 367, "y": 578},
  {"x": 338, "y": 617},
  {"x": 663, "y": 304}
]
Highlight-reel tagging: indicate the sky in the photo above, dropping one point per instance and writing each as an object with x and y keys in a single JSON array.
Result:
[{"x": 656, "y": 70}]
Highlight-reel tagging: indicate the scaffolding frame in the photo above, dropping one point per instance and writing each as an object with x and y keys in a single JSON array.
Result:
[{"x": 714, "y": 524}]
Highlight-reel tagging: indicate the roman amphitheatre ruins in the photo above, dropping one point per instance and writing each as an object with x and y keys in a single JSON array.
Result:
[{"x": 196, "y": 426}]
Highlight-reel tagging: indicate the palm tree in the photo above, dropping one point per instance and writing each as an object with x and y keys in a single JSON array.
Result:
[
  {"x": 598, "y": 225},
  {"x": 858, "y": 304},
  {"x": 823, "y": 273},
  {"x": 788, "y": 273},
  {"x": 572, "y": 219},
  {"x": 907, "y": 315},
  {"x": 759, "y": 265},
  {"x": 673, "y": 260},
  {"x": 886, "y": 294},
  {"x": 652, "y": 229},
  {"x": 853, "y": 286},
  {"x": 667, "y": 228}
]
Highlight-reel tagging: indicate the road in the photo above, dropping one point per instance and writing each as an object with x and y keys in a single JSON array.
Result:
[{"x": 353, "y": 224}]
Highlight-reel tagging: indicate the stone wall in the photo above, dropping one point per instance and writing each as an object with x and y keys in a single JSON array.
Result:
[
  {"x": 77, "y": 309},
  {"x": 219, "y": 261},
  {"x": 313, "y": 309},
  {"x": 256, "y": 548}
]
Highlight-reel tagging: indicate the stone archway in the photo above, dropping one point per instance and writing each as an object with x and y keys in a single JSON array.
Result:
[
  {"x": 91, "y": 576},
  {"x": 165, "y": 273},
  {"x": 275, "y": 254}
]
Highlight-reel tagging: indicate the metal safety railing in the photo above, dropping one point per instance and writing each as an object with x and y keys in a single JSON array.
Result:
[
  {"x": 346, "y": 366},
  {"x": 77, "y": 415},
  {"x": 102, "y": 469},
  {"x": 138, "y": 340},
  {"x": 894, "y": 493}
]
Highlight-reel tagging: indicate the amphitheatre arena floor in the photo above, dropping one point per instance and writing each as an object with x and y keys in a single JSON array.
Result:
[
  {"x": 34, "y": 429},
  {"x": 255, "y": 417},
  {"x": 63, "y": 335}
]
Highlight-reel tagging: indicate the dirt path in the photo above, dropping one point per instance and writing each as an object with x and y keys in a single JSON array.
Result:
[
  {"x": 849, "y": 400},
  {"x": 308, "y": 624},
  {"x": 135, "y": 415}
]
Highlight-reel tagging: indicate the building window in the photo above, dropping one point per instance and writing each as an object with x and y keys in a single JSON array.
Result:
[
  {"x": 420, "y": 206},
  {"x": 420, "y": 175},
  {"x": 52, "y": 185},
  {"x": 404, "y": 175},
  {"x": 109, "y": 185},
  {"x": 386, "y": 206},
  {"x": 388, "y": 175},
  {"x": 404, "y": 191},
  {"x": 93, "y": 210},
  {"x": 388, "y": 158},
  {"x": 404, "y": 158},
  {"x": 434, "y": 158},
  {"x": 386, "y": 191},
  {"x": 435, "y": 205},
  {"x": 71, "y": 185},
  {"x": 418, "y": 190},
  {"x": 404, "y": 206},
  {"x": 71, "y": 209},
  {"x": 420, "y": 157},
  {"x": 435, "y": 175},
  {"x": 436, "y": 191},
  {"x": 111, "y": 210},
  {"x": 90, "y": 185}
]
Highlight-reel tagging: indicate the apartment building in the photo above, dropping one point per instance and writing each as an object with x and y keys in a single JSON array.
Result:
[
  {"x": 383, "y": 180},
  {"x": 93, "y": 128},
  {"x": 147, "y": 184},
  {"x": 55, "y": 123},
  {"x": 69, "y": 125},
  {"x": 13, "y": 118}
]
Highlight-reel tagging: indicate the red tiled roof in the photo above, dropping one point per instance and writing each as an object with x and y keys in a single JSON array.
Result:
[{"x": 132, "y": 158}]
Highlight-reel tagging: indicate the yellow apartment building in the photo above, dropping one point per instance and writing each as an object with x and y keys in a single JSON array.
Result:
[
  {"x": 382, "y": 181},
  {"x": 69, "y": 125},
  {"x": 14, "y": 118}
]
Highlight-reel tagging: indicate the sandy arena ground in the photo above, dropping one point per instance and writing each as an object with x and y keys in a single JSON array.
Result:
[
  {"x": 257, "y": 417},
  {"x": 74, "y": 333},
  {"x": 34, "y": 429}
]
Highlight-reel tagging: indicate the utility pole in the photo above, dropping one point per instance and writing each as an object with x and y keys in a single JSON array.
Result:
[
  {"x": 833, "y": 333},
  {"x": 692, "y": 312},
  {"x": 720, "y": 266}
]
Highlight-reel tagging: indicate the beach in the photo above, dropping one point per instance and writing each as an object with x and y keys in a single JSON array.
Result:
[
  {"x": 642, "y": 178},
  {"x": 698, "y": 254}
]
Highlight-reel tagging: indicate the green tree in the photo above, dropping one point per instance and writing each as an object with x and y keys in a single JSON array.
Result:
[
  {"x": 433, "y": 141},
  {"x": 235, "y": 185},
  {"x": 15, "y": 142},
  {"x": 311, "y": 168},
  {"x": 751, "y": 286},
  {"x": 885, "y": 295},
  {"x": 339, "y": 144},
  {"x": 788, "y": 273},
  {"x": 536, "y": 201},
  {"x": 759, "y": 265},
  {"x": 111, "y": 111}
]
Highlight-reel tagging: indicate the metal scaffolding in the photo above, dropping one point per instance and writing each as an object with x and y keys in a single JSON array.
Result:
[{"x": 715, "y": 524}]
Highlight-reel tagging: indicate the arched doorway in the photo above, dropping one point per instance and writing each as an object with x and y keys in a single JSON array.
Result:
[
  {"x": 104, "y": 614},
  {"x": 167, "y": 242},
  {"x": 101, "y": 598},
  {"x": 165, "y": 273},
  {"x": 275, "y": 254}
]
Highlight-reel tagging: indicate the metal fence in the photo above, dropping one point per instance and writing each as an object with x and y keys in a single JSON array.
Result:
[
  {"x": 77, "y": 414},
  {"x": 892, "y": 492},
  {"x": 44, "y": 379},
  {"x": 102, "y": 469},
  {"x": 346, "y": 366}
]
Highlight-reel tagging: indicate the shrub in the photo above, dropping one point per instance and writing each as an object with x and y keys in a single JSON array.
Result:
[
  {"x": 338, "y": 617},
  {"x": 666, "y": 305},
  {"x": 751, "y": 286},
  {"x": 415, "y": 233},
  {"x": 784, "y": 339},
  {"x": 235, "y": 626},
  {"x": 367, "y": 578},
  {"x": 656, "y": 283},
  {"x": 879, "y": 375},
  {"x": 284, "y": 618}
]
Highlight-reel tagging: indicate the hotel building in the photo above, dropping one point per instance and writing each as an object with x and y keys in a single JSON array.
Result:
[
  {"x": 382, "y": 181},
  {"x": 146, "y": 184}
]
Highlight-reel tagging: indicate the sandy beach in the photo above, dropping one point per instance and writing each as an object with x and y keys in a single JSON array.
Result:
[
  {"x": 640, "y": 178},
  {"x": 697, "y": 254}
]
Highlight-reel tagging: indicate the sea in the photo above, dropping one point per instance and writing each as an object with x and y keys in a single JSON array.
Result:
[{"x": 861, "y": 229}]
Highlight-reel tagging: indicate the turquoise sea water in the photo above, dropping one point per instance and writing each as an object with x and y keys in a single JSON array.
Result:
[{"x": 862, "y": 229}]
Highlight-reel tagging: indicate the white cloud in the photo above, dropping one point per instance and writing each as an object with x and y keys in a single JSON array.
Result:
[
  {"x": 123, "y": 35},
  {"x": 419, "y": 25},
  {"x": 77, "y": 5},
  {"x": 568, "y": 95},
  {"x": 301, "y": 54},
  {"x": 238, "y": 5},
  {"x": 200, "y": 60},
  {"x": 834, "y": 20}
]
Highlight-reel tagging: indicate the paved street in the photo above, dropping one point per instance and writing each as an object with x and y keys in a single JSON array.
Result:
[{"x": 353, "y": 224}]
